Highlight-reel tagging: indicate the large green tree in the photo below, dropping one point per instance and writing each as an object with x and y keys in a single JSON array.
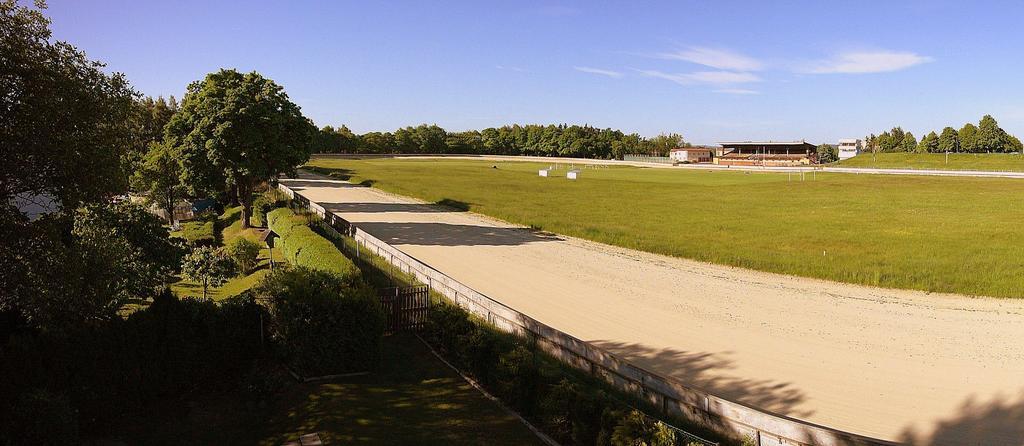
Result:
[
  {"x": 159, "y": 175},
  {"x": 235, "y": 131},
  {"x": 64, "y": 123},
  {"x": 929, "y": 143},
  {"x": 990, "y": 136},
  {"x": 827, "y": 153},
  {"x": 909, "y": 143},
  {"x": 65, "y": 126},
  {"x": 149, "y": 118},
  {"x": 949, "y": 141},
  {"x": 127, "y": 250},
  {"x": 968, "y": 135}
]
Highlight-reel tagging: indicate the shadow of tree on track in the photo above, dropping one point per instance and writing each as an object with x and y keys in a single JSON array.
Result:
[
  {"x": 999, "y": 421},
  {"x": 446, "y": 234},
  {"x": 707, "y": 371}
]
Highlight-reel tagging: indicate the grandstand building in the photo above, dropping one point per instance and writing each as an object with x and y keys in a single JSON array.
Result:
[{"x": 767, "y": 153}]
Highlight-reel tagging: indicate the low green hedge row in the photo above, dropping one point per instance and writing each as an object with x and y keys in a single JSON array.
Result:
[
  {"x": 199, "y": 233},
  {"x": 81, "y": 379},
  {"x": 304, "y": 247}
]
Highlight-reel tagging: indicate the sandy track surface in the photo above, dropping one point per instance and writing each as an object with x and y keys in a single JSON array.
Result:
[{"x": 891, "y": 364}]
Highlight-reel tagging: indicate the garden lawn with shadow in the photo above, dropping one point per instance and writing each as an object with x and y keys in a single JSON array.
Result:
[{"x": 413, "y": 398}]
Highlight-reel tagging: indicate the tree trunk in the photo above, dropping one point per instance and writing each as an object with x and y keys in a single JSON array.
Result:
[
  {"x": 245, "y": 199},
  {"x": 169, "y": 207},
  {"x": 235, "y": 193}
]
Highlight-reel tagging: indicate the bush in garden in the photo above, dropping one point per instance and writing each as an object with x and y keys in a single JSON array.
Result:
[
  {"x": 480, "y": 352},
  {"x": 199, "y": 233},
  {"x": 609, "y": 420},
  {"x": 262, "y": 206},
  {"x": 518, "y": 379},
  {"x": 323, "y": 325},
  {"x": 103, "y": 369},
  {"x": 636, "y": 428},
  {"x": 245, "y": 253},
  {"x": 572, "y": 413},
  {"x": 41, "y": 418},
  {"x": 208, "y": 267},
  {"x": 445, "y": 327}
]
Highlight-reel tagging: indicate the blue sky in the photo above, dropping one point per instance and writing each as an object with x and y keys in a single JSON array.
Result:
[{"x": 712, "y": 71}]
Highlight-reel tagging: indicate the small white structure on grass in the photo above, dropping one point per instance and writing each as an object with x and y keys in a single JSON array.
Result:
[
  {"x": 849, "y": 148},
  {"x": 544, "y": 172},
  {"x": 573, "y": 174}
]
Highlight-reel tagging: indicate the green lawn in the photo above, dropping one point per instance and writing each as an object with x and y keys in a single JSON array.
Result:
[
  {"x": 232, "y": 228},
  {"x": 1007, "y": 162},
  {"x": 413, "y": 399},
  {"x": 929, "y": 233}
]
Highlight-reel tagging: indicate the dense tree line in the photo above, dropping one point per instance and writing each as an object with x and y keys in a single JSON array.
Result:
[
  {"x": 986, "y": 137},
  {"x": 539, "y": 140}
]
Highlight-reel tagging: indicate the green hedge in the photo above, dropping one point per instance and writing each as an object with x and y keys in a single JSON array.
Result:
[
  {"x": 303, "y": 247},
  {"x": 96, "y": 372},
  {"x": 199, "y": 233},
  {"x": 323, "y": 325}
]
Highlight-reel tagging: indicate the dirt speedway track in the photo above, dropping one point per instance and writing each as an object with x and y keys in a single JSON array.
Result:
[{"x": 891, "y": 364}]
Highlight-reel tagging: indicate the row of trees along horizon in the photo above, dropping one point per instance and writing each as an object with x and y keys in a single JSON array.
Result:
[
  {"x": 986, "y": 137},
  {"x": 590, "y": 142}
]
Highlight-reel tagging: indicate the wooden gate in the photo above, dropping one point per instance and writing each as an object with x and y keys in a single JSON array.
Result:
[{"x": 405, "y": 307}]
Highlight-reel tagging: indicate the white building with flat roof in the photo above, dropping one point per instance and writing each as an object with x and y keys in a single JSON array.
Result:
[{"x": 849, "y": 148}]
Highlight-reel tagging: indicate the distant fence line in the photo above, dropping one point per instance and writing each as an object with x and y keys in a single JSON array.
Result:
[
  {"x": 648, "y": 159},
  {"x": 673, "y": 397}
]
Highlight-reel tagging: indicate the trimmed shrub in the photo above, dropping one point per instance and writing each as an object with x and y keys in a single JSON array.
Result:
[
  {"x": 245, "y": 253},
  {"x": 635, "y": 428},
  {"x": 323, "y": 325},
  {"x": 261, "y": 206},
  {"x": 304, "y": 247},
  {"x": 40, "y": 418},
  {"x": 519, "y": 379},
  {"x": 105, "y": 368},
  {"x": 199, "y": 233},
  {"x": 571, "y": 413}
]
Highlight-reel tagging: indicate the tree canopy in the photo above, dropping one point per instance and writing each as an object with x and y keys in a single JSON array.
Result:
[
  {"x": 234, "y": 131},
  {"x": 987, "y": 136},
  {"x": 65, "y": 127},
  {"x": 67, "y": 120},
  {"x": 539, "y": 140}
]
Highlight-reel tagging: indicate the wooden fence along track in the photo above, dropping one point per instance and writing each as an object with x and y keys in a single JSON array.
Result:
[{"x": 673, "y": 397}]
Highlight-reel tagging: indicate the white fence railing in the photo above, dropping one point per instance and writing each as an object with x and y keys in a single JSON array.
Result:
[{"x": 673, "y": 397}]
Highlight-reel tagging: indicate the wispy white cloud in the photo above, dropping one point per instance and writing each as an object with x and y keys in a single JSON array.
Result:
[
  {"x": 609, "y": 73},
  {"x": 509, "y": 68},
  {"x": 736, "y": 91},
  {"x": 858, "y": 62},
  {"x": 703, "y": 77},
  {"x": 715, "y": 58}
]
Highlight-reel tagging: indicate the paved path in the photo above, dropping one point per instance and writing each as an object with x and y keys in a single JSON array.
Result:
[{"x": 892, "y": 364}]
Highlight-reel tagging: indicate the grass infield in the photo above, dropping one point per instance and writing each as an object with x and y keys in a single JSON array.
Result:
[
  {"x": 1000, "y": 162},
  {"x": 959, "y": 235}
]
